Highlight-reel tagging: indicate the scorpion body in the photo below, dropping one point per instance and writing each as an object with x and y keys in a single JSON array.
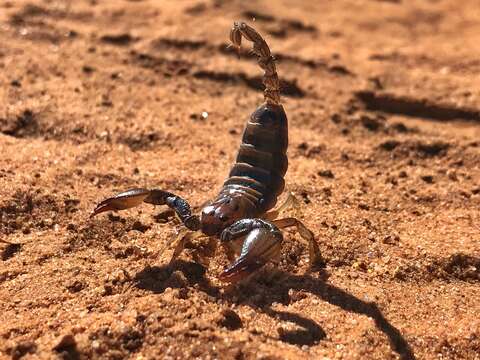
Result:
[
  {"x": 240, "y": 215},
  {"x": 256, "y": 179}
]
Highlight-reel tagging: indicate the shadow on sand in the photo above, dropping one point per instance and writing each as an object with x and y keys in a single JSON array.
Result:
[{"x": 261, "y": 292}]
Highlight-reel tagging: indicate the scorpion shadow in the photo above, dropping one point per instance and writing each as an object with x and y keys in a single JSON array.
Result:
[{"x": 266, "y": 290}]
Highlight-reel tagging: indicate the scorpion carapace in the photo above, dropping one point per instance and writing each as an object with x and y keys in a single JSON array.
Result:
[{"x": 240, "y": 214}]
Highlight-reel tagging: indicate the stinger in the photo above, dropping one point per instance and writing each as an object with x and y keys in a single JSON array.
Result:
[{"x": 265, "y": 59}]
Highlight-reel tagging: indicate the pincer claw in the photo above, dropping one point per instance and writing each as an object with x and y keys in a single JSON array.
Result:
[
  {"x": 260, "y": 246},
  {"x": 122, "y": 201}
]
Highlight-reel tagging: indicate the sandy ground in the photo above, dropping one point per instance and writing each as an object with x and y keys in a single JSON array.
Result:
[{"x": 383, "y": 101}]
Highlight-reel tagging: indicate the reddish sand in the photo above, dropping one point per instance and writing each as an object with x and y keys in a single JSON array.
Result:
[{"x": 383, "y": 101}]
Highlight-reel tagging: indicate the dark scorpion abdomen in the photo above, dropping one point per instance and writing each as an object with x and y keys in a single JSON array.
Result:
[{"x": 261, "y": 164}]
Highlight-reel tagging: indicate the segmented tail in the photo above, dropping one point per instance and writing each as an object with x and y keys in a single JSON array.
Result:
[{"x": 265, "y": 59}]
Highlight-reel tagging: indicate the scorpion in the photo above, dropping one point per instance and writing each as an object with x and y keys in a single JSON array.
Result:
[{"x": 241, "y": 215}]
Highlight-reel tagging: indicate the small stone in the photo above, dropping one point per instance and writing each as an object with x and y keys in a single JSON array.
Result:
[
  {"x": 452, "y": 175},
  {"x": 107, "y": 290},
  {"x": 230, "y": 320},
  {"x": 71, "y": 227},
  {"x": 389, "y": 145},
  {"x": 326, "y": 173},
  {"x": 296, "y": 295},
  {"x": 75, "y": 286},
  {"x": 360, "y": 265},
  {"x": 302, "y": 146},
  {"x": 327, "y": 191},
  {"x": 427, "y": 178},
  {"x": 391, "y": 239},
  {"x": 336, "y": 118},
  {"x": 363, "y": 206},
  {"x": 117, "y": 39},
  {"x": 138, "y": 226},
  {"x": 120, "y": 276},
  {"x": 88, "y": 69},
  {"x": 399, "y": 127},
  {"x": 370, "y": 123},
  {"x": 399, "y": 274}
]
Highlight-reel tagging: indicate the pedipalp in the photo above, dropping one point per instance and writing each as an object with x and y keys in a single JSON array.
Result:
[{"x": 134, "y": 197}]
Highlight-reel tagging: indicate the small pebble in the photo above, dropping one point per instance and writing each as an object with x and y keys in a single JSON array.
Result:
[{"x": 427, "y": 178}]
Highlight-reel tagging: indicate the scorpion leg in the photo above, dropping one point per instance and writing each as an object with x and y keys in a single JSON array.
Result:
[
  {"x": 313, "y": 249},
  {"x": 290, "y": 202},
  {"x": 261, "y": 243},
  {"x": 134, "y": 197},
  {"x": 181, "y": 240},
  {"x": 203, "y": 251}
]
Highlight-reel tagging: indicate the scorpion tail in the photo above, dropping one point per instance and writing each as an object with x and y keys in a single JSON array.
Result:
[{"x": 265, "y": 59}]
